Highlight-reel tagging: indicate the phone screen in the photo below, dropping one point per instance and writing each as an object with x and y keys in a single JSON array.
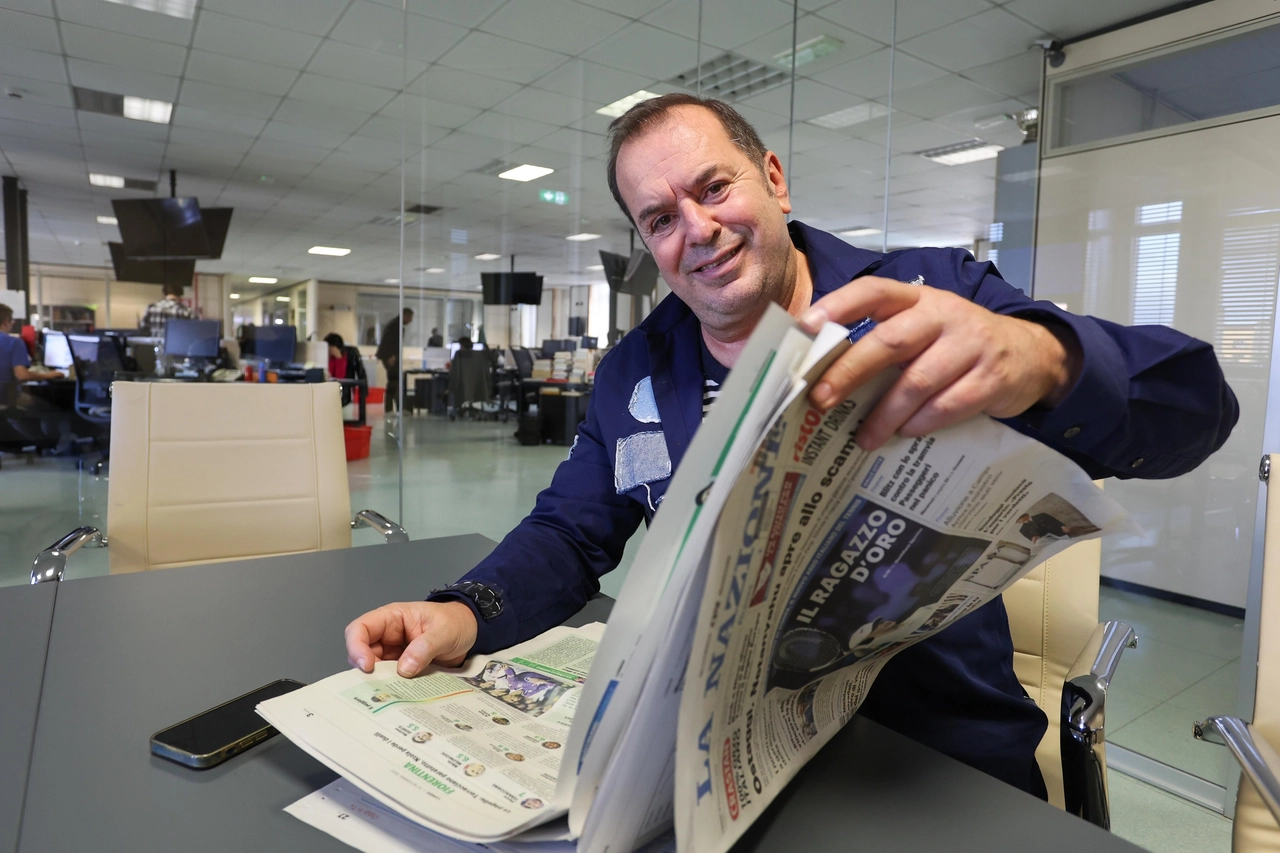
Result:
[{"x": 226, "y": 724}]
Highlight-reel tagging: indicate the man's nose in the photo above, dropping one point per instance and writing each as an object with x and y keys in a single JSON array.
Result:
[{"x": 700, "y": 227}]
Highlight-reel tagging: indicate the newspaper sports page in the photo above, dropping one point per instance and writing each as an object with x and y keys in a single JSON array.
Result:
[
  {"x": 474, "y": 753},
  {"x": 826, "y": 561}
]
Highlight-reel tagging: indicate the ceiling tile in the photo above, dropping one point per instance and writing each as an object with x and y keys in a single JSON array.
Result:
[
  {"x": 468, "y": 14},
  {"x": 342, "y": 93},
  {"x": 119, "y": 18},
  {"x": 1068, "y": 20},
  {"x": 246, "y": 39},
  {"x": 596, "y": 84},
  {"x": 726, "y": 24},
  {"x": 546, "y": 106},
  {"x": 416, "y": 112},
  {"x": 542, "y": 23},
  {"x": 25, "y": 110},
  {"x": 979, "y": 40},
  {"x": 33, "y": 64},
  {"x": 874, "y": 18},
  {"x": 35, "y": 7},
  {"x": 363, "y": 65},
  {"x": 37, "y": 91},
  {"x": 284, "y": 132},
  {"x": 508, "y": 128},
  {"x": 240, "y": 102},
  {"x": 498, "y": 57},
  {"x": 239, "y": 73},
  {"x": 942, "y": 97},
  {"x": 205, "y": 120},
  {"x": 308, "y": 16},
  {"x": 123, "y": 50},
  {"x": 647, "y": 51},
  {"x": 460, "y": 87},
  {"x": 32, "y": 32},
  {"x": 868, "y": 76},
  {"x": 315, "y": 114},
  {"x": 634, "y": 9},
  {"x": 122, "y": 81},
  {"x": 1015, "y": 76},
  {"x": 768, "y": 46}
]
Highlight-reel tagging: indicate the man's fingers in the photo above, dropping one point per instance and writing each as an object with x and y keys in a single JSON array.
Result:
[
  {"x": 871, "y": 296},
  {"x": 963, "y": 400},
  {"x": 895, "y": 341},
  {"x": 918, "y": 386},
  {"x": 416, "y": 656}
]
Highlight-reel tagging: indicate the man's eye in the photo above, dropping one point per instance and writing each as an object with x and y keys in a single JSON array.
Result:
[
  {"x": 717, "y": 188},
  {"x": 659, "y": 223}
]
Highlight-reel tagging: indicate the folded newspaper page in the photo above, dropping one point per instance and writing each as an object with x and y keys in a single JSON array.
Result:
[
  {"x": 784, "y": 568},
  {"x": 472, "y": 753}
]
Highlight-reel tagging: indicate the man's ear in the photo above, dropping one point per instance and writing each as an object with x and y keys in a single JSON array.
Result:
[{"x": 776, "y": 182}]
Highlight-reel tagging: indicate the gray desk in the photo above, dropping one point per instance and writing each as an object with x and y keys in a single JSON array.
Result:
[
  {"x": 25, "y": 615},
  {"x": 133, "y": 653}
]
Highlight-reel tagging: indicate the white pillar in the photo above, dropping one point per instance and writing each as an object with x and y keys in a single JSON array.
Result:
[{"x": 313, "y": 307}]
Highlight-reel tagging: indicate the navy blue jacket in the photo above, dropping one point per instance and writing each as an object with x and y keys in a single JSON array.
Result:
[{"x": 1150, "y": 402}]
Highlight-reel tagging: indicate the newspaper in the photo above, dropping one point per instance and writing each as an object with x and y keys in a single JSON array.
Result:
[
  {"x": 473, "y": 753},
  {"x": 784, "y": 568}
]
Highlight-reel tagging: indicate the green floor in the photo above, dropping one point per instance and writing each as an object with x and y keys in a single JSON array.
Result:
[{"x": 471, "y": 477}]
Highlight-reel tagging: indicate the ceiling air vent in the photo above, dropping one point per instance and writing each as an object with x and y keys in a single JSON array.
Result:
[
  {"x": 138, "y": 184},
  {"x": 496, "y": 167},
  {"x": 421, "y": 209},
  {"x": 93, "y": 101},
  {"x": 730, "y": 77}
]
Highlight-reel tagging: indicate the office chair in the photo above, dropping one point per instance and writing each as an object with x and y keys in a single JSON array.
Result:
[
  {"x": 99, "y": 360},
  {"x": 1256, "y": 827},
  {"x": 1065, "y": 661},
  {"x": 21, "y": 430},
  {"x": 208, "y": 472},
  {"x": 470, "y": 384}
]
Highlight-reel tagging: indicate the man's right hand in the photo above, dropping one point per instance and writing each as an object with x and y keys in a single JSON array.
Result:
[{"x": 415, "y": 633}]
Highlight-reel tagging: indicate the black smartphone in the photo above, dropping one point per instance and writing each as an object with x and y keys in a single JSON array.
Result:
[{"x": 211, "y": 737}]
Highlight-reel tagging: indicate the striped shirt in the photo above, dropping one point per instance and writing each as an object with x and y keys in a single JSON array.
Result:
[
  {"x": 713, "y": 376},
  {"x": 159, "y": 313},
  {"x": 710, "y": 390}
]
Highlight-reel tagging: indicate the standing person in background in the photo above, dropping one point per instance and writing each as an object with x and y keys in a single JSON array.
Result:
[
  {"x": 436, "y": 339},
  {"x": 389, "y": 354},
  {"x": 170, "y": 306}
]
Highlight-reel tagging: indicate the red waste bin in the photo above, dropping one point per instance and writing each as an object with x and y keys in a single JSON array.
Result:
[{"x": 357, "y": 440}]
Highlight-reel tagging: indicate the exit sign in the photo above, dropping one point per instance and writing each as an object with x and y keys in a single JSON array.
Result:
[{"x": 553, "y": 196}]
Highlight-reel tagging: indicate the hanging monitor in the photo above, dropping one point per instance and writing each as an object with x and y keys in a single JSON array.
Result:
[
  {"x": 636, "y": 275},
  {"x": 162, "y": 229},
  {"x": 150, "y": 272},
  {"x": 511, "y": 288},
  {"x": 192, "y": 338}
]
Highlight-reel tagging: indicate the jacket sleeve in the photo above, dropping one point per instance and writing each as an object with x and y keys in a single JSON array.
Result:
[
  {"x": 551, "y": 563},
  {"x": 1150, "y": 402}
]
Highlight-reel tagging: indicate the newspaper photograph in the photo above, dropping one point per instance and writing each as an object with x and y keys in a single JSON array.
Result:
[
  {"x": 474, "y": 752},
  {"x": 829, "y": 559}
]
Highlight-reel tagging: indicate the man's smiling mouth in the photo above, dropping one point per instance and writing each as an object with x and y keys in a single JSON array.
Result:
[{"x": 719, "y": 262}]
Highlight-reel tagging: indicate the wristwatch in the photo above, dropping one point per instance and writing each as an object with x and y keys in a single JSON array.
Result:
[{"x": 488, "y": 601}]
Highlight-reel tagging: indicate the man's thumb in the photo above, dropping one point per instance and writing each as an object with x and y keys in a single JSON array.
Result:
[{"x": 415, "y": 657}]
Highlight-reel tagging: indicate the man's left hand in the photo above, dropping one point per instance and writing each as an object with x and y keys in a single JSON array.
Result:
[{"x": 958, "y": 359}]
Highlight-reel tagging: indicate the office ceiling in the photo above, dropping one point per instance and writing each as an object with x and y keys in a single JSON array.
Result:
[{"x": 299, "y": 113}]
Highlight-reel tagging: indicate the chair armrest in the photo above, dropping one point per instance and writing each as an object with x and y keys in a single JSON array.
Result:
[
  {"x": 51, "y": 563},
  {"x": 1082, "y": 728},
  {"x": 1257, "y": 759},
  {"x": 391, "y": 532}
]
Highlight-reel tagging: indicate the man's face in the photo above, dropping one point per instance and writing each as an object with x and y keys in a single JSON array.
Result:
[
  {"x": 408, "y": 318},
  {"x": 715, "y": 225}
]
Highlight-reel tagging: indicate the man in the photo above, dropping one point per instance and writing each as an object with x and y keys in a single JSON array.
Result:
[
  {"x": 160, "y": 313},
  {"x": 389, "y": 354},
  {"x": 710, "y": 203},
  {"x": 15, "y": 364},
  {"x": 1040, "y": 525},
  {"x": 436, "y": 339}
]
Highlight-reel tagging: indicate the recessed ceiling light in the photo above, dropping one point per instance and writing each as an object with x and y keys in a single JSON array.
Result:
[
  {"x": 108, "y": 220},
  {"x": 621, "y": 105},
  {"x": 391, "y": 281},
  {"x": 808, "y": 51},
  {"x": 485, "y": 256},
  {"x": 583, "y": 237},
  {"x": 851, "y": 116},
  {"x": 172, "y": 8},
  {"x": 100, "y": 180},
  {"x": 595, "y": 268},
  {"x": 525, "y": 173},
  {"x": 434, "y": 270},
  {"x": 279, "y": 322},
  {"x": 969, "y": 151},
  {"x": 145, "y": 109},
  {"x": 328, "y": 250},
  {"x": 262, "y": 279},
  {"x": 859, "y": 232},
  {"x": 282, "y": 299},
  {"x": 233, "y": 295}
]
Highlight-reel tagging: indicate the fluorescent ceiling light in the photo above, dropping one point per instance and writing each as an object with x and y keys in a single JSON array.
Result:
[
  {"x": 595, "y": 267},
  {"x": 485, "y": 256},
  {"x": 108, "y": 220},
  {"x": 391, "y": 281},
  {"x": 99, "y": 180},
  {"x": 282, "y": 299},
  {"x": 279, "y": 322},
  {"x": 525, "y": 173},
  {"x": 262, "y": 279},
  {"x": 583, "y": 237},
  {"x": 145, "y": 109},
  {"x": 434, "y": 270},
  {"x": 860, "y": 232},
  {"x": 808, "y": 51},
  {"x": 969, "y": 151},
  {"x": 233, "y": 295},
  {"x": 621, "y": 105},
  {"x": 173, "y": 8},
  {"x": 851, "y": 116},
  {"x": 328, "y": 250}
]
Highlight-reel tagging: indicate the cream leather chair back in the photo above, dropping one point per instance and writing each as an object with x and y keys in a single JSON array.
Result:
[
  {"x": 1255, "y": 829},
  {"x": 204, "y": 472},
  {"x": 1052, "y": 613}
]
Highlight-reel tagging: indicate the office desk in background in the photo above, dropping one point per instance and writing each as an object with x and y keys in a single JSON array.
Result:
[{"x": 131, "y": 654}]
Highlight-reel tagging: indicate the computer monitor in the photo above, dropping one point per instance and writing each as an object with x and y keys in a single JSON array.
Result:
[
  {"x": 192, "y": 338},
  {"x": 455, "y": 346},
  {"x": 84, "y": 347},
  {"x": 57, "y": 353},
  {"x": 435, "y": 358},
  {"x": 275, "y": 344}
]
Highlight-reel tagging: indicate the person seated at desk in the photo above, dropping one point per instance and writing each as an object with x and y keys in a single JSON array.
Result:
[
  {"x": 710, "y": 203},
  {"x": 338, "y": 367},
  {"x": 435, "y": 339},
  {"x": 160, "y": 313},
  {"x": 15, "y": 364}
]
